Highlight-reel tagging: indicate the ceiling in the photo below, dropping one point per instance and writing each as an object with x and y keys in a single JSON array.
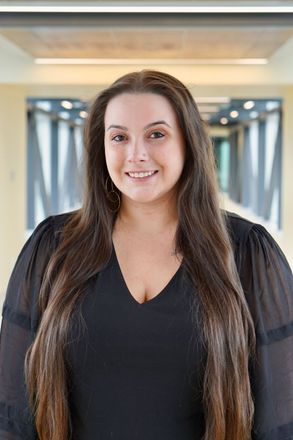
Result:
[
  {"x": 146, "y": 36},
  {"x": 163, "y": 36},
  {"x": 76, "y": 42}
]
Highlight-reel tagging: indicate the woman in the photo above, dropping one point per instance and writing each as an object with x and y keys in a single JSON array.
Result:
[{"x": 148, "y": 313}]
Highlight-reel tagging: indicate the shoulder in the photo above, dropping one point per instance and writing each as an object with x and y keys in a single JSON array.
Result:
[
  {"x": 25, "y": 280},
  {"x": 252, "y": 243},
  {"x": 48, "y": 231},
  {"x": 44, "y": 241},
  {"x": 55, "y": 223},
  {"x": 239, "y": 230},
  {"x": 265, "y": 275},
  {"x": 238, "y": 227}
]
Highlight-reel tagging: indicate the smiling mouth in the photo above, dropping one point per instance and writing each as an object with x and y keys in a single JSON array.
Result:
[{"x": 141, "y": 174}]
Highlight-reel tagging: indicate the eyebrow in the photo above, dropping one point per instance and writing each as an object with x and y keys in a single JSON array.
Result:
[
  {"x": 121, "y": 127},
  {"x": 157, "y": 123}
]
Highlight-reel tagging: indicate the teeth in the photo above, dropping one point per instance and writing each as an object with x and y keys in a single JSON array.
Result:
[{"x": 148, "y": 173}]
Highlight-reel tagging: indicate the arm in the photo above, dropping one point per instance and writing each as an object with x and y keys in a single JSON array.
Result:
[
  {"x": 19, "y": 325},
  {"x": 267, "y": 282}
]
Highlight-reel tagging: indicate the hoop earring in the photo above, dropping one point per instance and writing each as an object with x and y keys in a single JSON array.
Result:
[{"x": 112, "y": 195}]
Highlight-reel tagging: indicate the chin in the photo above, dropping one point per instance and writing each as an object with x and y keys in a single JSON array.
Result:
[{"x": 143, "y": 198}]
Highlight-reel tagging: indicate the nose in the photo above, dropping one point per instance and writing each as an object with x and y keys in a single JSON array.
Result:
[{"x": 137, "y": 152}]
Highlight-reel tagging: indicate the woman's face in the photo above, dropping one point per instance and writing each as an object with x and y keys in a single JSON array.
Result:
[{"x": 144, "y": 146}]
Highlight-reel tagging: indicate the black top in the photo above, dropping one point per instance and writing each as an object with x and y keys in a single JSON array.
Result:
[{"x": 135, "y": 370}]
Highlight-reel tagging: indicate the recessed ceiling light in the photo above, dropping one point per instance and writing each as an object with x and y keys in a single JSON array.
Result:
[
  {"x": 224, "y": 121},
  {"x": 248, "y": 105},
  {"x": 83, "y": 114},
  {"x": 67, "y": 104},
  {"x": 234, "y": 114}
]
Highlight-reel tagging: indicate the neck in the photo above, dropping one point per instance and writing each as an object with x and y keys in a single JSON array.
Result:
[{"x": 148, "y": 218}]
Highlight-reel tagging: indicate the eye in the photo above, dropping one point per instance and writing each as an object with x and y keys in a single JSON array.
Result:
[
  {"x": 156, "y": 135},
  {"x": 118, "y": 138}
]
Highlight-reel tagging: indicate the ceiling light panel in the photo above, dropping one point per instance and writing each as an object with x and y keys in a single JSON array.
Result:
[
  {"x": 156, "y": 9},
  {"x": 224, "y": 121},
  {"x": 234, "y": 114},
  {"x": 248, "y": 105},
  {"x": 148, "y": 61}
]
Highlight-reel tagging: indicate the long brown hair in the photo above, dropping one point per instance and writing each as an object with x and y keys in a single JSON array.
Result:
[{"x": 201, "y": 238}]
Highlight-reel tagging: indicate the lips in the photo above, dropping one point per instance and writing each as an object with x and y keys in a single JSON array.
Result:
[{"x": 141, "y": 171}]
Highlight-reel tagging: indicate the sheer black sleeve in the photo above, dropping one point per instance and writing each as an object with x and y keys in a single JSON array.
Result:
[
  {"x": 19, "y": 324},
  {"x": 267, "y": 281}
]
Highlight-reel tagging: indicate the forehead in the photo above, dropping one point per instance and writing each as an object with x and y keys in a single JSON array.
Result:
[{"x": 139, "y": 106}]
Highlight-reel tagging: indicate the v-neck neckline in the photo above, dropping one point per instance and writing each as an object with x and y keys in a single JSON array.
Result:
[{"x": 155, "y": 298}]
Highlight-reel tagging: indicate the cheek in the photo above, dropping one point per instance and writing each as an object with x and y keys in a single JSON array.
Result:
[
  {"x": 113, "y": 157},
  {"x": 161, "y": 155},
  {"x": 174, "y": 157},
  {"x": 110, "y": 155},
  {"x": 106, "y": 151},
  {"x": 181, "y": 155},
  {"x": 178, "y": 164}
]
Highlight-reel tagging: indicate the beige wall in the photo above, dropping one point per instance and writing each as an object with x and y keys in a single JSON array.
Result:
[{"x": 12, "y": 176}]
